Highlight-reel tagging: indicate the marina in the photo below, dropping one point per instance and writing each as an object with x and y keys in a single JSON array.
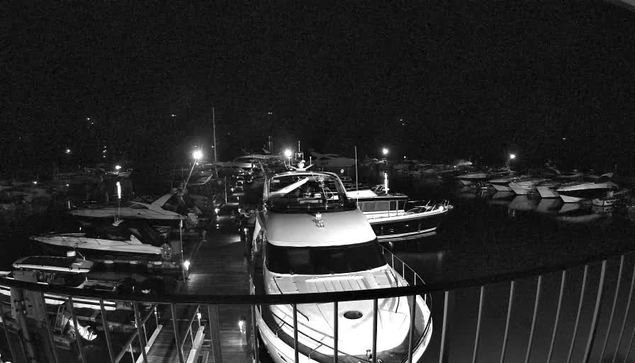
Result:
[
  {"x": 352, "y": 183},
  {"x": 467, "y": 246}
]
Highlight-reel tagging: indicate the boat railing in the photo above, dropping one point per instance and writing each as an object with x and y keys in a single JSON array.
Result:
[
  {"x": 403, "y": 268},
  {"x": 320, "y": 344},
  {"x": 576, "y": 311}
]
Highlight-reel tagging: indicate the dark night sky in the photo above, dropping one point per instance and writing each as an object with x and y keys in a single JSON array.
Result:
[{"x": 468, "y": 78}]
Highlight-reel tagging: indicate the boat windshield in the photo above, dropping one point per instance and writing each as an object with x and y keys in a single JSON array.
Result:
[
  {"x": 308, "y": 192},
  {"x": 324, "y": 260}
]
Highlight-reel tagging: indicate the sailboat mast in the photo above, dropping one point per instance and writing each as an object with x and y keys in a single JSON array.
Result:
[
  {"x": 356, "y": 177},
  {"x": 214, "y": 132}
]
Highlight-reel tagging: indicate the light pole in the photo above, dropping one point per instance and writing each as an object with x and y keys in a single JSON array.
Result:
[
  {"x": 288, "y": 153},
  {"x": 509, "y": 160},
  {"x": 196, "y": 155}
]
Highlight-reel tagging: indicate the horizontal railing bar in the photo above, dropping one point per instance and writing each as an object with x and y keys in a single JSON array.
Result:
[{"x": 303, "y": 298}]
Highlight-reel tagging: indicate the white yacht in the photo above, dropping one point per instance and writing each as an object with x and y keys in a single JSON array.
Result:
[
  {"x": 171, "y": 207},
  {"x": 525, "y": 185},
  {"x": 394, "y": 218},
  {"x": 311, "y": 238},
  {"x": 576, "y": 192}
]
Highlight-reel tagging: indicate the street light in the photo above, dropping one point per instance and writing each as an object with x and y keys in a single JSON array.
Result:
[
  {"x": 384, "y": 151},
  {"x": 288, "y": 153},
  {"x": 196, "y": 155}
]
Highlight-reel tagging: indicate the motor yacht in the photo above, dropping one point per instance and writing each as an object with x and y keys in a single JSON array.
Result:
[
  {"x": 579, "y": 191},
  {"x": 524, "y": 185},
  {"x": 125, "y": 241},
  {"x": 169, "y": 208},
  {"x": 310, "y": 237},
  {"x": 395, "y": 218}
]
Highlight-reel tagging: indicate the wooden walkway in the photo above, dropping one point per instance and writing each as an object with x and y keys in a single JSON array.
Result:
[{"x": 217, "y": 267}]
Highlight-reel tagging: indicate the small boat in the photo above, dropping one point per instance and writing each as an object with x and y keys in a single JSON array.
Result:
[
  {"x": 472, "y": 178},
  {"x": 130, "y": 241},
  {"x": 168, "y": 208},
  {"x": 523, "y": 186},
  {"x": 394, "y": 218},
  {"x": 60, "y": 271},
  {"x": 318, "y": 241},
  {"x": 579, "y": 191},
  {"x": 547, "y": 189}
]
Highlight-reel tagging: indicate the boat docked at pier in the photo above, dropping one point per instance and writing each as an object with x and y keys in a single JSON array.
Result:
[
  {"x": 125, "y": 241},
  {"x": 577, "y": 192},
  {"x": 395, "y": 218},
  {"x": 60, "y": 271},
  {"x": 310, "y": 237},
  {"x": 167, "y": 209},
  {"x": 523, "y": 186}
]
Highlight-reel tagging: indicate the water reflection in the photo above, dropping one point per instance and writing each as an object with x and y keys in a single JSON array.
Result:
[
  {"x": 549, "y": 205},
  {"x": 521, "y": 203}
]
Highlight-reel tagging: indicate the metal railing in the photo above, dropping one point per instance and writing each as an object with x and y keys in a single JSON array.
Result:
[{"x": 575, "y": 312}]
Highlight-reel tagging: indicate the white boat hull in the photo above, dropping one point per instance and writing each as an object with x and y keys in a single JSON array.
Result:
[
  {"x": 502, "y": 188},
  {"x": 570, "y": 198},
  {"x": 547, "y": 192}
]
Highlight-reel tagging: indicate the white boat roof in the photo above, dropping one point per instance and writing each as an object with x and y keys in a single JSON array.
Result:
[
  {"x": 303, "y": 230},
  {"x": 364, "y": 193}
]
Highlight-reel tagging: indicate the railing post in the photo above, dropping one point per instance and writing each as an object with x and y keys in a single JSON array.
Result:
[
  {"x": 444, "y": 354},
  {"x": 142, "y": 340},
  {"x": 214, "y": 332},
  {"x": 563, "y": 279},
  {"x": 175, "y": 325},
  {"x": 512, "y": 287},
  {"x": 6, "y": 333},
  {"x": 296, "y": 353},
  {"x": 596, "y": 314},
  {"x": 617, "y": 291},
  {"x": 533, "y": 319},
  {"x": 80, "y": 345},
  {"x": 577, "y": 318},
  {"x": 626, "y": 312},
  {"x": 254, "y": 335},
  {"x": 375, "y": 317},
  {"x": 481, "y": 300},
  {"x": 49, "y": 333},
  {"x": 413, "y": 312},
  {"x": 104, "y": 322},
  {"x": 335, "y": 331}
]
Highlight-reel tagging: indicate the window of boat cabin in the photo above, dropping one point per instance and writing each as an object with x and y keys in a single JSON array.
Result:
[
  {"x": 382, "y": 205},
  {"x": 324, "y": 260}
]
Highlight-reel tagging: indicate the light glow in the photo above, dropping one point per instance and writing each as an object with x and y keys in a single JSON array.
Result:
[
  {"x": 186, "y": 264},
  {"x": 68, "y": 151},
  {"x": 288, "y": 153},
  {"x": 512, "y": 156},
  {"x": 117, "y": 167},
  {"x": 197, "y": 154},
  {"x": 384, "y": 151}
]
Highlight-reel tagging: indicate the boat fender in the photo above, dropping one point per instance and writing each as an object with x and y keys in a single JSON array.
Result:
[{"x": 166, "y": 251}]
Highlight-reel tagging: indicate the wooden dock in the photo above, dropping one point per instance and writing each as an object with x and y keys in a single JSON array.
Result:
[{"x": 217, "y": 268}]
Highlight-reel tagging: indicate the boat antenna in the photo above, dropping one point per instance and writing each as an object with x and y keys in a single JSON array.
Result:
[{"x": 356, "y": 177}]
